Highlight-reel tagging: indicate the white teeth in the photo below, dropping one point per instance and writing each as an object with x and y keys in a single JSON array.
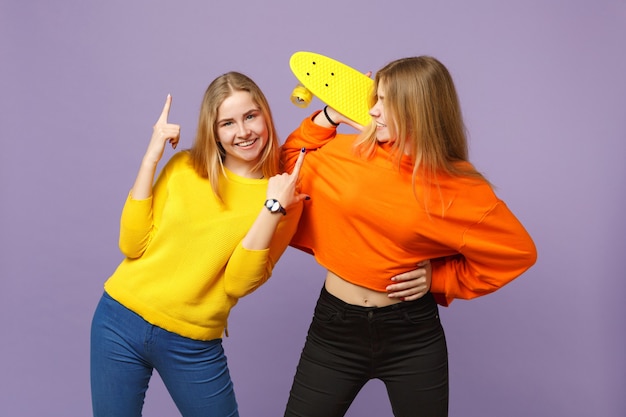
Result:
[{"x": 247, "y": 143}]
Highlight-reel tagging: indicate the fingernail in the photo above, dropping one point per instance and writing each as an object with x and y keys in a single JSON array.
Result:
[
  {"x": 307, "y": 198},
  {"x": 303, "y": 150}
]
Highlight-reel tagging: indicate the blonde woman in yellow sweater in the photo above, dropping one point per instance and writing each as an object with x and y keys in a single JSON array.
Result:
[{"x": 205, "y": 234}]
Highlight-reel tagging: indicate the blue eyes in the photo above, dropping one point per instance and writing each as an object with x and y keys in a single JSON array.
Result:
[{"x": 227, "y": 123}]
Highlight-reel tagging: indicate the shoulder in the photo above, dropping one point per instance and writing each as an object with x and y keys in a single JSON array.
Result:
[
  {"x": 180, "y": 161},
  {"x": 467, "y": 188},
  {"x": 180, "y": 158},
  {"x": 179, "y": 166}
]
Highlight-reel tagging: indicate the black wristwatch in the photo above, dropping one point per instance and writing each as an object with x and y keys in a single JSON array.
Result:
[{"x": 274, "y": 206}]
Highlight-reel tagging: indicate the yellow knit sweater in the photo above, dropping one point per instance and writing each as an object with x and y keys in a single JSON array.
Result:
[{"x": 185, "y": 267}]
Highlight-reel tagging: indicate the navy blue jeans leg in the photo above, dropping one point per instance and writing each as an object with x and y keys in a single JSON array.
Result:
[
  {"x": 196, "y": 375},
  {"x": 119, "y": 373},
  {"x": 124, "y": 351}
]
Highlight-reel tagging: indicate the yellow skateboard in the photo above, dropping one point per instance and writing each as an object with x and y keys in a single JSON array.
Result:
[{"x": 341, "y": 87}]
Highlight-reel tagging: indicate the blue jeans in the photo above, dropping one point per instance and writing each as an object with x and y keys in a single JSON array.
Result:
[
  {"x": 124, "y": 351},
  {"x": 402, "y": 344}
]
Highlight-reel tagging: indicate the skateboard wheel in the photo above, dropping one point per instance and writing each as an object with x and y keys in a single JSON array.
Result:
[{"x": 301, "y": 96}]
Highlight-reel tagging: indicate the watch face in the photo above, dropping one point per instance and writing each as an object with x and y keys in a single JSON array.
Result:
[{"x": 274, "y": 206}]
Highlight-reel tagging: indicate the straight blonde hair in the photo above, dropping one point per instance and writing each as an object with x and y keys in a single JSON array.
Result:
[
  {"x": 207, "y": 155},
  {"x": 424, "y": 117}
]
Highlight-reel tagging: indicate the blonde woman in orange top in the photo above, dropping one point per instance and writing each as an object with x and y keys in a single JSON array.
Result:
[{"x": 401, "y": 192}]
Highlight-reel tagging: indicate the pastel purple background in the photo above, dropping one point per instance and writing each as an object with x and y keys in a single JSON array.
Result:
[{"x": 544, "y": 96}]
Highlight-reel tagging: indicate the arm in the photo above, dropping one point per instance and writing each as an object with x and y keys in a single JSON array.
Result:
[
  {"x": 495, "y": 251},
  {"x": 162, "y": 132},
  {"x": 309, "y": 136},
  {"x": 313, "y": 133},
  {"x": 253, "y": 260},
  {"x": 137, "y": 216},
  {"x": 281, "y": 187}
]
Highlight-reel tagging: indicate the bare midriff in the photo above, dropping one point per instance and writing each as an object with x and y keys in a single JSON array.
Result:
[{"x": 355, "y": 294}]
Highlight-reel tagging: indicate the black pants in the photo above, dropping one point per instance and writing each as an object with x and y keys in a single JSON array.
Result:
[{"x": 402, "y": 344}]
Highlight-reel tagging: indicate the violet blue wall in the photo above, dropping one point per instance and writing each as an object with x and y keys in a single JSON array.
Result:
[{"x": 544, "y": 96}]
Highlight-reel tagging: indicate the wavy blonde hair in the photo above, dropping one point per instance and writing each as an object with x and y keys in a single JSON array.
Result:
[
  {"x": 207, "y": 155},
  {"x": 424, "y": 117}
]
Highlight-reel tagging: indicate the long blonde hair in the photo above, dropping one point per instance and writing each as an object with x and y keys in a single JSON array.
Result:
[
  {"x": 421, "y": 100},
  {"x": 424, "y": 117},
  {"x": 207, "y": 155}
]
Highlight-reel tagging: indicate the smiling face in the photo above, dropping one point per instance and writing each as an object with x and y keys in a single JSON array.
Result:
[
  {"x": 242, "y": 132},
  {"x": 383, "y": 133}
]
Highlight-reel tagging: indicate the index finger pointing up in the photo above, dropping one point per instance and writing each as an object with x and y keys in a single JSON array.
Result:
[
  {"x": 299, "y": 162},
  {"x": 166, "y": 110}
]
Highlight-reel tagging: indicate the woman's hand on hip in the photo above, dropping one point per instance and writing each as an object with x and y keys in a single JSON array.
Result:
[{"x": 411, "y": 285}]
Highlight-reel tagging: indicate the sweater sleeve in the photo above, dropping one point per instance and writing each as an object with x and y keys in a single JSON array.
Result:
[
  {"x": 248, "y": 269},
  {"x": 494, "y": 251},
  {"x": 137, "y": 223},
  {"x": 309, "y": 136}
]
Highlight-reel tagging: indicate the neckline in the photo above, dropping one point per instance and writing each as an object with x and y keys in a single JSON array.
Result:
[{"x": 236, "y": 177}]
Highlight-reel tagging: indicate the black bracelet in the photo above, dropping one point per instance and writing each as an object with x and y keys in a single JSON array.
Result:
[{"x": 329, "y": 119}]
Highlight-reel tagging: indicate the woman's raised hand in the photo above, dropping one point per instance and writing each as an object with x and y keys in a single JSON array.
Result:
[
  {"x": 285, "y": 187},
  {"x": 162, "y": 132},
  {"x": 338, "y": 118}
]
